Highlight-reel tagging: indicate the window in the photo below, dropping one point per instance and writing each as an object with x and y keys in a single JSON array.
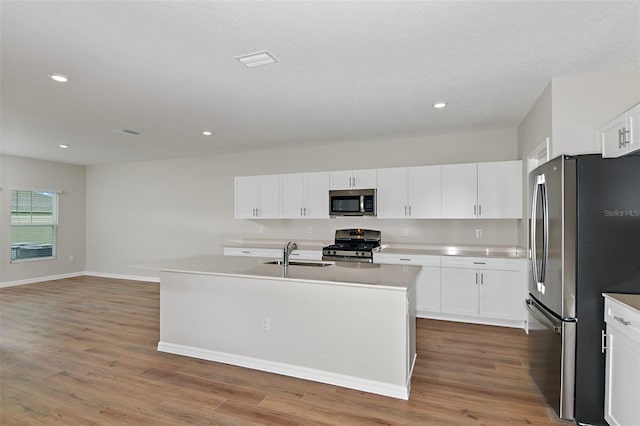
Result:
[{"x": 34, "y": 223}]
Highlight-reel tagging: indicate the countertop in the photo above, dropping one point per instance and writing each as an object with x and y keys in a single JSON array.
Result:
[
  {"x": 337, "y": 273},
  {"x": 630, "y": 300},
  {"x": 504, "y": 252}
]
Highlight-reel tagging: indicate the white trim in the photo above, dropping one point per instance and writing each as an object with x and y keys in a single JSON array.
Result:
[
  {"x": 18, "y": 188},
  {"x": 471, "y": 320},
  {"x": 372, "y": 386},
  {"x": 539, "y": 155},
  {"x": 41, "y": 279},
  {"x": 122, "y": 276}
]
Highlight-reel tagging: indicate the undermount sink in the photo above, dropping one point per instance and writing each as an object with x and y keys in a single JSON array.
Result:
[{"x": 298, "y": 263}]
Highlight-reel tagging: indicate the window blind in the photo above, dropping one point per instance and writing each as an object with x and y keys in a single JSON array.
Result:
[{"x": 34, "y": 222}]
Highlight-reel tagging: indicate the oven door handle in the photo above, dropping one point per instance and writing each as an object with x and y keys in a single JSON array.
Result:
[{"x": 543, "y": 317}]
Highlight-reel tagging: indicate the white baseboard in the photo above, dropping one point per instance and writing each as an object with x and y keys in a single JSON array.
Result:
[
  {"x": 472, "y": 320},
  {"x": 351, "y": 382},
  {"x": 122, "y": 276},
  {"x": 41, "y": 279}
]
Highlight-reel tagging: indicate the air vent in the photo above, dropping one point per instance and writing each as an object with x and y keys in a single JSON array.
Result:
[
  {"x": 257, "y": 59},
  {"x": 129, "y": 131}
]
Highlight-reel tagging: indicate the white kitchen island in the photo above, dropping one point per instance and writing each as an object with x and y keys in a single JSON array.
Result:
[{"x": 347, "y": 324}]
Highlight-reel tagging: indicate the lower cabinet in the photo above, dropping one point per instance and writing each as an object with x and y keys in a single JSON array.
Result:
[
  {"x": 428, "y": 282},
  {"x": 622, "y": 367},
  {"x": 273, "y": 253},
  {"x": 483, "y": 288}
]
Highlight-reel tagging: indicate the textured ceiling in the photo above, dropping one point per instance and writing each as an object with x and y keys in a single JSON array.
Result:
[{"x": 347, "y": 71}]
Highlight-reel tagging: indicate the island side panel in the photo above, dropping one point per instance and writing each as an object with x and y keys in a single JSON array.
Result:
[{"x": 350, "y": 331}]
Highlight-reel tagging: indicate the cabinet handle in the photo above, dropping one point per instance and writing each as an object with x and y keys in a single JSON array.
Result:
[
  {"x": 621, "y": 320},
  {"x": 475, "y": 210},
  {"x": 481, "y": 278},
  {"x": 479, "y": 263},
  {"x": 245, "y": 252},
  {"x": 304, "y": 209},
  {"x": 479, "y": 210},
  {"x": 354, "y": 181},
  {"x": 406, "y": 260},
  {"x": 350, "y": 183},
  {"x": 300, "y": 211},
  {"x": 624, "y": 137},
  {"x": 603, "y": 340},
  {"x": 409, "y": 210},
  {"x": 620, "y": 133},
  {"x": 405, "y": 210},
  {"x": 476, "y": 278}
]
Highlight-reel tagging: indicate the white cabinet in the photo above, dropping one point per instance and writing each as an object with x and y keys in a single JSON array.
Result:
[
  {"x": 427, "y": 283},
  {"x": 410, "y": 192},
  {"x": 353, "y": 179},
  {"x": 305, "y": 195},
  {"x": 483, "y": 287},
  {"x": 621, "y": 135},
  {"x": 490, "y": 190},
  {"x": 622, "y": 366},
  {"x": 257, "y": 196}
]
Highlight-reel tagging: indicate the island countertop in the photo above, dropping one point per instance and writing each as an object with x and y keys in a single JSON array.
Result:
[{"x": 339, "y": 273}]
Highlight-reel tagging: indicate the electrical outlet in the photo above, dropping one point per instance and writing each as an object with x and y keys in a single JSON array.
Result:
[
  {"x": 310, "y": 229},
  {"x": 266, "y": 324},
  {"x": 72, "y": 258},
  {"x": 478, "y": 233},
  {"x": 405, "y": 232},
  {"x": 261, "y": 229}
]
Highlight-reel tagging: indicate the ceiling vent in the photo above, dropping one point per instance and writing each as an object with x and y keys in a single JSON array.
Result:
[{"x": 257, "y": 59}]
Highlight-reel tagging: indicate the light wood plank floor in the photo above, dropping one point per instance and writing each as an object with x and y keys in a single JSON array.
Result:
[{"x": 83, "y": 351}]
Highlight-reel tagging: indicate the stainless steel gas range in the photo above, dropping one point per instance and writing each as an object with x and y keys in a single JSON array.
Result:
[{"x": 353, "y": 245}]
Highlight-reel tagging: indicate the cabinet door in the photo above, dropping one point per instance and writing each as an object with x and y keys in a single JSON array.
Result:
[
  {"x": 610, "y": 137},
  {"x": 364, "y": 179},
  {"x": 392, "y": 193},
  {"x": 341, "y": 179},
  {"x": 269, "y": 196},
  {"x": 428, "y": 290},
  {"x": 499, "y": 294},
  {"x": 500, "y": 190},
  {"x": 622, "y": 379},
  {"x": 459, "y": 191},
  {"x": 633, "y": 125},
  {"x": 246, "y": 196},
  {"x": 316, "y": 190},
  {"x": 424, "y": 185},
  {"x": 291, "y": 195},
  {"x": 459, "y": 291}
]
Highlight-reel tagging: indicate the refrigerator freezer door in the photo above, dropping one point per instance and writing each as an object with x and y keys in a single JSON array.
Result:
[{"x": 551, "y": 358}]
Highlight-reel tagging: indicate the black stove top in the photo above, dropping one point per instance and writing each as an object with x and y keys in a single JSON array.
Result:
[{"x": 353, "y": 245}]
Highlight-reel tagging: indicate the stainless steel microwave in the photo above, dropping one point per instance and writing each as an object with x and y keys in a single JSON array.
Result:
[{"x": 352, "y": 202}]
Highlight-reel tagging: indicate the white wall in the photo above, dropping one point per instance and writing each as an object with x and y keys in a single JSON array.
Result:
[
  {"x": 23, "y": 173},
  {"x": 583, "y": 103},
  {"x": 152, "y": 210}
]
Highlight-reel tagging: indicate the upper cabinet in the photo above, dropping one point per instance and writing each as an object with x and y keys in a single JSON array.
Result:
[
  {"x": 410, "y": 192},
  {"x": 257, "y": 197},
  {"x": 482, "y": 190},
  {"x": 621, "y": 135},
  {"x": 305, "y": 195},
  {"x": 353, "y": 179}
]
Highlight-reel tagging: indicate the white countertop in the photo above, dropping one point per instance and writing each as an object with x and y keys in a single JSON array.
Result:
[
  {"x": 504, "y": 252},
  {"x": 630, "y": 300},
  {"x": 343, "y": 273}
]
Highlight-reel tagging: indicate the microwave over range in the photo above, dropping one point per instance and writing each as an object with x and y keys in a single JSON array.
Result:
[{"x": 354, "y": 202}]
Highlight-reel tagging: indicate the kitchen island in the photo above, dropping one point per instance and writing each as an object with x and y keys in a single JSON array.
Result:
[{"x": 347, "y": 324}]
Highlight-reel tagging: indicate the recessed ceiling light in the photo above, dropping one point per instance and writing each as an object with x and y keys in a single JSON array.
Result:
[
  {"x": 63, "y": 146},
  {"x": 60, "y": 78},
  {"x": 207, "y": 133},
  {"x": 440, "y": 105},
  {"x": 257, "y": 59}
]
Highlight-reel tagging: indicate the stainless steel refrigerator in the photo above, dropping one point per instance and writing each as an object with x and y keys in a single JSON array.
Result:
[{"x": 585, "y": 240}]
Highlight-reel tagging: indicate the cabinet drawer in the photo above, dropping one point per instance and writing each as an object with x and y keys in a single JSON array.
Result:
[
  {"x": 305, "y": 254},
  {"x": 250, "y": 252},
  {"x": 622, "y": 318},
  {"x": 406, "y": 259},
  {"x": 480, "y": 263}
]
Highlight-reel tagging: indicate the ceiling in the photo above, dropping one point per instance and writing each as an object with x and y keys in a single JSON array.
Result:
[{"x": 346, "y": 71}]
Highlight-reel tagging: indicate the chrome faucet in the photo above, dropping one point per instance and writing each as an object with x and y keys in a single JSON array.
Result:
[{"x": 286, "y": 252}]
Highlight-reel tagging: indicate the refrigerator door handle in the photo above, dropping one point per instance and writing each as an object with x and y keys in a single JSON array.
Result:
[
  {"x": 544, "y": 319},
  {"x": 539, "y": 199}
]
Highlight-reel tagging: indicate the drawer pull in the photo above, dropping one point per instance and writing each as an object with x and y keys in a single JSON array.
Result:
[
  {"x": 245, "y": 252},
  {"x": 479, "y": 263},
  {"x": 621, "y": 320},
  {"x": 406, "y": 260}
]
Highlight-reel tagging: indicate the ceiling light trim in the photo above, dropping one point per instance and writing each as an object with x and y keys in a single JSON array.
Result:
[
  {"x": 257, "y": 59},
  {"x": 59, "y": 78}
]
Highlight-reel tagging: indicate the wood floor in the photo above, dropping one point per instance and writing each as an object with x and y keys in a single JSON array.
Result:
[{"x": 83, "y": 351}]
